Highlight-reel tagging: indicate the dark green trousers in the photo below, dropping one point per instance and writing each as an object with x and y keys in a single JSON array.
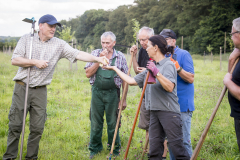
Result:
[
  {"x": 103, "y": 100},
  {"x": 36, "y": 106}
]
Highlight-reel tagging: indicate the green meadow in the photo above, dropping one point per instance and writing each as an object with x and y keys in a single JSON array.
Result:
[{"x": 67, "y": 129}]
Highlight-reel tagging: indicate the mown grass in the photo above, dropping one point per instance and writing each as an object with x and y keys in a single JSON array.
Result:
[{"x": 67, "y": 129}]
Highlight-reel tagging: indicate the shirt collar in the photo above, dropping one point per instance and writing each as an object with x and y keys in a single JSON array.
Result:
[
  {"x": 163, "y": 61},
  {"x": 175, "y": 49},
  {"x": 37, "y": 37},
  {"x": 115, "y": 53}
]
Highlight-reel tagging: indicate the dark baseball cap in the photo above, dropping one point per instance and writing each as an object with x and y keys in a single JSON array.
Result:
[
  {"x": 166, "y": 33},
  {"x": 49, "y": 19}
]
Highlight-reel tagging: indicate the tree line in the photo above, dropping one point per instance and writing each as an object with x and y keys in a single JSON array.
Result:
[{"x": 201, "y": 23}]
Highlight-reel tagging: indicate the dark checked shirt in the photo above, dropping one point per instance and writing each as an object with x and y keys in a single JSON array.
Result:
[
  {"x": 52, "y": 50},
  {"x": 120, "y": 63}
]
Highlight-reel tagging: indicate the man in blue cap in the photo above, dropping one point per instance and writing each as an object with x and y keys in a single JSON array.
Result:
[
  {"x": 47, "y": 51},
  {"x": 185, "y": 87}
]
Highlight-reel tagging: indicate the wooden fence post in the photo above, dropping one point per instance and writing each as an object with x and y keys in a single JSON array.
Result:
[
  {"x": 76, "y": 48},
  {"x": 69, "y": 61},
  {"x": 128, "y": 51},
  {"x": 220, "y": 58},
  {"x": 204, "y": 57},
  {"x": 211, "y": 57},
  {"x": 225, "y": 44},
  {"x": 9, "y": 50}
]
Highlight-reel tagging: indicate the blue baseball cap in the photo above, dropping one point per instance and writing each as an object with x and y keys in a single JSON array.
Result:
[{"x": 49, "y": 19}]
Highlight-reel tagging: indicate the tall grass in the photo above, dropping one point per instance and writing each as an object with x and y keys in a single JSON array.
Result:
[{"x": 67, "y": 129}]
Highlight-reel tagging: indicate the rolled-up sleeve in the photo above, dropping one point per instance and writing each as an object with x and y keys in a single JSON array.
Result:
[
  {"x": 139, "y": 78},
  {"x": 20, "y": 50},
  {"x": 69, "y": 53},
  {"x": 188, "y": 63},
  {"x": 170, "y": 72}
]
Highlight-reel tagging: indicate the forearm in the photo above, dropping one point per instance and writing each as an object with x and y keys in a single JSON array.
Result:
[
  {"x": 125, "y": 77},
  {"x": 233, "y": 89},
  {"x": 166, "y": 84},
  {"x": 86, "y": 57},
  {"x": 23, "y": 62},
  {"x": 232, "y": 58},
  {"x": 135, "y": 64},
  {"x": 186, "y": 76},
  {"x": 90, "y": 71}
]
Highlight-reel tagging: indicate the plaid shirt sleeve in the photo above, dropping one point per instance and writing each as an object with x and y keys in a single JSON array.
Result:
[
  {"x": 124, "y": 64},
  {"x": 89, "y": 64},
  {"x": 121, "y": 64}
]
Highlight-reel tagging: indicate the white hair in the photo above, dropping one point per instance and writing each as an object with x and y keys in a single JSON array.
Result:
[
  {"x": 149, "y": 31},
  {"x": 109, "y": 34},
  {"x": 236, "y": 23}
]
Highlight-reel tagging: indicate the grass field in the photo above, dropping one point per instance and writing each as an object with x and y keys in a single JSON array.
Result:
[{"x": 67, "y": 129}]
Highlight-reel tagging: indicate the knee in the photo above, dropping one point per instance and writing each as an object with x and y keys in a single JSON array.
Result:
[
  {"x": 38, "y": 130},
  {"x": 15, "y": 129}
]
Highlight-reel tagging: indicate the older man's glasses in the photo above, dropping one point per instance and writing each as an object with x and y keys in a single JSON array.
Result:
[
  {"x": 142, "y": 40},
  {"x": 231, "y": 34}
]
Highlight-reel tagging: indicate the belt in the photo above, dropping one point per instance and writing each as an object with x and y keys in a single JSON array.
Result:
[{"x": 23, "y": 84}]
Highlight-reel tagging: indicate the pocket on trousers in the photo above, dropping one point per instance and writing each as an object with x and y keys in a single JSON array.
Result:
[{"x": 12, "y": 113}]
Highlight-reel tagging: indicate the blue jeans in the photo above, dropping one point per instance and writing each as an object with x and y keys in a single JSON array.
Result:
[{"x": 186, "y": 128}]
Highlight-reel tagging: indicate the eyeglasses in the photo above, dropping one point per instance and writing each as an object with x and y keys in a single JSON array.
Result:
[
  {"x": 168, "y": 38},
  {"x": 142, "y": 40},
  {"x": 231, "y": 34}
]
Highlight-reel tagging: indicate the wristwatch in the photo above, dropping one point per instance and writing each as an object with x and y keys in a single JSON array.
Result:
[
  {"x": 158, "y": 74},
  {"x": 179, "y": 70}
]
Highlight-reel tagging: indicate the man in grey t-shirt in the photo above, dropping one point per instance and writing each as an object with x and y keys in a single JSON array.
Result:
[{"x": 47, "y": 50}]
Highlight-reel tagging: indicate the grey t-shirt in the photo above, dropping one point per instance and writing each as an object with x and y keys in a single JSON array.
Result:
[{"x": 156, "y": 97}]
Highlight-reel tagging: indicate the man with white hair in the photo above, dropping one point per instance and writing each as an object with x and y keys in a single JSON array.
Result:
[
  {"x": 143, "y": 35},
  {"x": 232, "y": 81},
  {"x": 106, "y": 86}
]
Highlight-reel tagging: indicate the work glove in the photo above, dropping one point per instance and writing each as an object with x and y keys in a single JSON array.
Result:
[
  {"x": 175, "y": 63},
  {"x": 152, "y": 67}
]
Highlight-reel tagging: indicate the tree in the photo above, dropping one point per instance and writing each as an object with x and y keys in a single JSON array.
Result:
[
  {"x": 66, "y": 34},
  {"x": 90, "y": 27},
  {"x": 215, "y": 25}
]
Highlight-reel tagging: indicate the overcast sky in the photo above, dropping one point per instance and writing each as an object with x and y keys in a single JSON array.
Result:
[{"x": 12, "y": 12}]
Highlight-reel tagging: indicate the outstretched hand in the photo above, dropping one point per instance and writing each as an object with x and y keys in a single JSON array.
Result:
[
  {"x": 103, "y": 60},
  {"x": 108, "y": 67},
  {"x": 152, "y": 67}
]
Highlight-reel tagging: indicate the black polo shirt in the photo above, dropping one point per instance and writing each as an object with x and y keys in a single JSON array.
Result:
[
  {"x": 235, "y": 103},
  {"x": 143, "y": 57}
]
